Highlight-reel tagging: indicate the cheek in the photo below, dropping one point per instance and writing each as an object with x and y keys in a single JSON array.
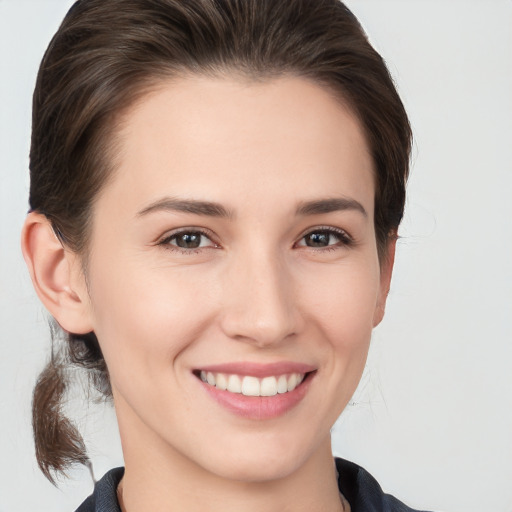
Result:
[
  {"x": 344, "y": 299},
  {"x": 143, "y": 317},
  {"x": 342, "y": 306}
]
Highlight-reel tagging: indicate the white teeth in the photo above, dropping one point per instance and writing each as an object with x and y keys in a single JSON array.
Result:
[
  {"x": 292, "y": 382},
  {"x": 252, "y": 386},
  {"x": 282, "y": 384},
  {"x": 268, "y": 386},
  {"x": 221, "y": 381},
  {"x": 234, "y": 384}
]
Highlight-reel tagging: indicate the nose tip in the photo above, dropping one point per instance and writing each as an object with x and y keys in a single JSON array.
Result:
[
  {"x": 261, "y": 307},
  {"x": 260, "y": 329}
]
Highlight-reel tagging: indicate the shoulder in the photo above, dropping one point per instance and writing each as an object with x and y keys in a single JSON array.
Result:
[
  {"x": 363, "y": 492},
  {"x": 104, "y": 497}
]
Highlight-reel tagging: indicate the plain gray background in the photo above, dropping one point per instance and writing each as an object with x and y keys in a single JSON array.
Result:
[{"x": 432, "y": 418}]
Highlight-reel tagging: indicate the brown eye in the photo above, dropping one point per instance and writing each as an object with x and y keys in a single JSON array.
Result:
[
  {"x": 318, "y": 239},
  {"x": 188, "y": 240},
  {"x": 323, "y": 238}
]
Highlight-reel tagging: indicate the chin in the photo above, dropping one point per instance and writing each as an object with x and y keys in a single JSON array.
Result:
[
  {"x": 259, "y": 459},
  {"x": 260, "y": 469}
]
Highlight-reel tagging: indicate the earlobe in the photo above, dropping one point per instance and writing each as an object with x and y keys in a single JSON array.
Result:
[
  {"x": 56, "y": 275},
  {"x": 386, "y": 271}
]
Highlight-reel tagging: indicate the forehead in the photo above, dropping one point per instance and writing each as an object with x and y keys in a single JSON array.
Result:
[{"x": 231, "y": 140}]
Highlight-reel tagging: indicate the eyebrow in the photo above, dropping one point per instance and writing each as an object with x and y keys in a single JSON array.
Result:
[
  {"x": 194, "y": 206},
  {"x": 211, "y": 209},
  {"x": 329, "y": 205}
]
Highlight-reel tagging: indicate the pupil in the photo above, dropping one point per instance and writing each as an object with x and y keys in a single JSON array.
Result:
[
  {"x": 189, "y": 240},
  {"x": 318, "y": 239}
]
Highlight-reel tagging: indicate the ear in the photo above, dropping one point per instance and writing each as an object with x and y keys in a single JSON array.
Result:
[
  {"x": 56, "y": 274},
  {"x": 386, "y": 271}
]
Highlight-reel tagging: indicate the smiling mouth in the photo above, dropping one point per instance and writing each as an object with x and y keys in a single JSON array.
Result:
[{"x": 249, "y": 385}]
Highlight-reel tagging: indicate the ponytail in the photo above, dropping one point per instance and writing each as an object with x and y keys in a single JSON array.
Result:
[{"x": 58, "y": 443}]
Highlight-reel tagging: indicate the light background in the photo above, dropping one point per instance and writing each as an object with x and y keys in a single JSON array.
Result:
[{"x": 432, "y": 419}]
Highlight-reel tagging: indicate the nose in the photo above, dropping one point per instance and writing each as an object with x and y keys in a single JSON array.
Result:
[{"x": 260, "y": 304}]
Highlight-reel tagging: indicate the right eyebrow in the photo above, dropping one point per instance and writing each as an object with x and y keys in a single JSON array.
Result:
[{"x": 172, "y": 204}]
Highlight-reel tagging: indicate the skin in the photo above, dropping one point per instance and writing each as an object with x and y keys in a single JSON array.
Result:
[{"x": 254, "y": 291}]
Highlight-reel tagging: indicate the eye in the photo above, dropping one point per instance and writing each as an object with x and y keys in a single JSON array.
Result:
[
  {"x": 187, "y": 240},
  {"x": 320, "y": 238}
]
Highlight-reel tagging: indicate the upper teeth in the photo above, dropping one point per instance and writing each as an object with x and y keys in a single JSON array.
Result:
[{"x": 252, "y": 386}]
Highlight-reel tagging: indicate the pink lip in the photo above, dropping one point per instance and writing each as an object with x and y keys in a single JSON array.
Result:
[
  {"x": 259, "y": 370},
  {"x": 259, "y": 407}
]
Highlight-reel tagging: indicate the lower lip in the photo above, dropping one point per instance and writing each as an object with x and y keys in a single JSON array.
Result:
[{"x": 259, "y": 407}]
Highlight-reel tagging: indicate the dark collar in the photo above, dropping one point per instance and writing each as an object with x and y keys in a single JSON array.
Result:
[
  {"x": 363, "y": 492},
  {"x": 104, "y": 497}
]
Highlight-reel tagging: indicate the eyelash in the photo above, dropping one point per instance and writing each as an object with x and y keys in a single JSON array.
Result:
[
  {"x": 165, "y": 242},
  {"x": 345, "y": 240}
]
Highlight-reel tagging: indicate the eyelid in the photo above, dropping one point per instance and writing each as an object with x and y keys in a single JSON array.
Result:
[
  {"x": 169, "y": 235},
  {"x": 345, "y": 237}
]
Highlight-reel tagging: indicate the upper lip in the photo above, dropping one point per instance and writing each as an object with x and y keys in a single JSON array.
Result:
[{"x": 260, "y": 370}]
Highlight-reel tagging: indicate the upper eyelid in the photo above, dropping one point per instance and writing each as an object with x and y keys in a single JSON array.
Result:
[
  {"x": 212, "y": 237},
  {"x": 332, "y": 229},
  {"x": 191, "y": 229}
]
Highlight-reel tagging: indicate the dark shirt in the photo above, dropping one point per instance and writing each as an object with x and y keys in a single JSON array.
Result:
[{"x": 357, "y": 485}]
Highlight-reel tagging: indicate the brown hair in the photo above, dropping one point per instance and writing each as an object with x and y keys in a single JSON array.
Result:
[{"x": 107, "y": 53}]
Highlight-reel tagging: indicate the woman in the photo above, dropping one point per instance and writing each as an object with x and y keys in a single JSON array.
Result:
[{"x": 216, "y": 188}]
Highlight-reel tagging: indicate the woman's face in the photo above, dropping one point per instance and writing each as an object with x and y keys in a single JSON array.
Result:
[{"x": 235, "y": 244}]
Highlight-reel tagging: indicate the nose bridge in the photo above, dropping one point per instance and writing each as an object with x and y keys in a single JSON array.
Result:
[{"x": 260, "y": 305}]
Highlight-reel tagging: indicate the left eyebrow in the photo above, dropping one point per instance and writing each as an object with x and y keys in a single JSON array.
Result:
[{"x": 329, "y": 205}]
